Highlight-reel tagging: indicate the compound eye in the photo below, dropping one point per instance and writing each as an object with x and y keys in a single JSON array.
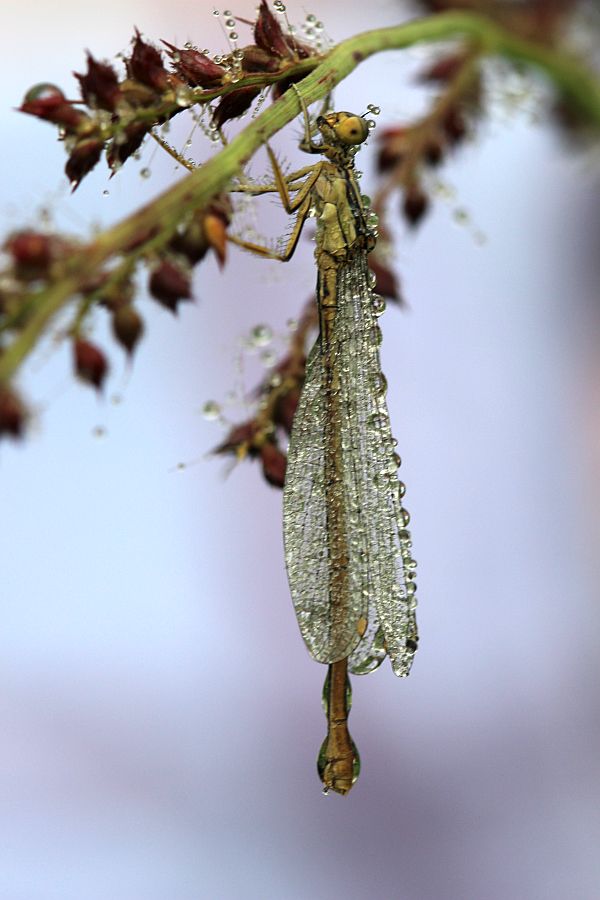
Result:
[{"x": 352, "y": 130}]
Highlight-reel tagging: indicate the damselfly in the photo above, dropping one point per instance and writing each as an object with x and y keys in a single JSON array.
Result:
[{"x": 347, "y": 548}]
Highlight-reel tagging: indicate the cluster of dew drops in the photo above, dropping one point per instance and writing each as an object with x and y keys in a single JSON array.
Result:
[
  {"x": 312, "y": 32},
  {"x": 259, "y": 342}
]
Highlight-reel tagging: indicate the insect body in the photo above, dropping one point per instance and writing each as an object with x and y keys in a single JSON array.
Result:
[{"x": 348, "y": 553}]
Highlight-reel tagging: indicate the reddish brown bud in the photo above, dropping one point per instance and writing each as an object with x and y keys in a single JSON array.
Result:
[
  {"x": 125, "y": 144},
  {"x": 240, "y": 440},
  {"x": 415, "y": 204},
  {"x": 32, "y": 253},
  {"x": 191, "y": 242},
  {"x": 215, "y": 231},
  {"x": 268, "y": 33},
  {"x": 100, "y": 85},
  {"x": 146, "y": 65},
  {"x": 12, "y": 413},
  {"x": 46, "y": 101},
  {"x": 82, "y": 160},
  {"x": 169, "y": 284},
  {"x": 274, "y": 463},
  {"x": 196, "y": 68},
  {"x": 433, "y": 151},
  {"x": 90, "y": 363},
  {"x": 454, "y": 125},
  {"x": 234, "y": 104},
  {"x": 285, "y": 409},
  {"x": 392, "y": 148},
  {"x": 386, "y": 282},
  {"x": 128, "y": 327},
  {"x": 258, "y": 60}
]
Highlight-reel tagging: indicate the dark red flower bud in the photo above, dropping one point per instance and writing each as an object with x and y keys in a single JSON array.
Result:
[
  {"x": 128, "y": 327},
  {"x": 386, "y": 282},
  {"x": 146, "y": 65},
  {"x": 443, "y": 69},
  {"x": 234, "y": 104},
  {"x": 100, "y": 85},
  {"x": 268, "y": 33},
  {"x": 191, "y": 242},
  {"x": 46, "y": 101},
  {"x": 196, "y": 68},
  {"x": 274, "y": 463},
  {"x": 433, "y": 151},
  {"x": 169, "y": 284},
  {"x": 82, "y": 160},
  {"x": 32, "y": 253},
  {"x": 126, "y": 143},
  {"x": 240, "y": 440},
  {"x": 12, "y": 413},
  {"x": 285, "y": 409},
  {"x": 392, "y": 148},
  {"x": 257, "y": 60},
  {"x": 90, "y": 363},
  {"x": 454, "y": 125},
  {"x": 415, "y": 204}
]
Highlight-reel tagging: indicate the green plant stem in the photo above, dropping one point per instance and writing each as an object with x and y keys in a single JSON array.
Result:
[{"x": 578, "y": 85}]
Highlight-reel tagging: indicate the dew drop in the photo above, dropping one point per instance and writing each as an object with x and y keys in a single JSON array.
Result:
[
  {"x": 211, "y": 410},
  {"x": 268, "y": 358},
  {"x": 43, "y": 91},
  {"x": 260, "y": 336},
  {"x": 145, "y": 173},
  {"x": 378, "y": 305},
  {"x": 105, "y": 192}
]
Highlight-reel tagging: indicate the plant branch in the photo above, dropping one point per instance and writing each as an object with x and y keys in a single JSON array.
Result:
[{"x": 579, "y": 86}]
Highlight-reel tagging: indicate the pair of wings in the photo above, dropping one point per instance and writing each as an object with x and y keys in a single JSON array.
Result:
[{"x": 348, "y": 416}]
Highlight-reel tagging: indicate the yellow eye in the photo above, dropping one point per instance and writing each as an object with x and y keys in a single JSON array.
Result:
[{"x": 351, "y": 129}]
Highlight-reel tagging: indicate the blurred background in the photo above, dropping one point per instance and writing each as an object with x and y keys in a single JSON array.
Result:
[{"x": 160, "y": 715}]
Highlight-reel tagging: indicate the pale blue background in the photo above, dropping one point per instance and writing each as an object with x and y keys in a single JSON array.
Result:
[{"x": 160, "y": 717}]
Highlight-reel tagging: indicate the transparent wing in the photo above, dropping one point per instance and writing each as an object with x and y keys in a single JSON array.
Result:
[{"x": 346, "y": 544}]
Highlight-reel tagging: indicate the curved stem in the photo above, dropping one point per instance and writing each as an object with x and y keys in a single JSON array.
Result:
[{"x": 578, "y": 84}]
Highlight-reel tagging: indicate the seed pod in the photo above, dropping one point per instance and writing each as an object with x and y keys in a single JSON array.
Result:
[
  {"x": 240, "y": 441},
  {"x": 191, "y": 242},
  {"x": 12, "y": 413},
  {"x": 82, "y": 160},
  {"x": 128, "y": 327},
  {"x": 31, "y": 253},
  {"x": 415, "y": 204},
  {"x": 274, "y": 463},
  {"x": 145, "y": 65},
  {"x": 268, "y": 33},
  {"x": 433, "y": 151},
  {"x": 285, "y": 409},
  {"x": 100, "y": 85},
  {"x": 454, "y": 125},
  {"x": 90, "y": 363},
  {"x": 169, "y": 284},
  {"x": 195, "y": 68},
  {"x": 47, "y": 101}
]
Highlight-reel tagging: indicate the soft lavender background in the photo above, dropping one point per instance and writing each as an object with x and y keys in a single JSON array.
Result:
[{"x": 160, "y": 716}]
